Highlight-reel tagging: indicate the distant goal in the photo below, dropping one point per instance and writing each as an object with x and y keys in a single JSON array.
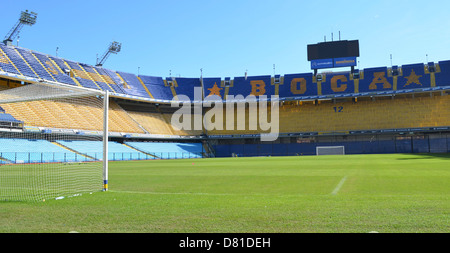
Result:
[{"x": 330, "y": 150}]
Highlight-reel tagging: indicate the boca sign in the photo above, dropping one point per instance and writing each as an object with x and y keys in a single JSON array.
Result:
[{"x": 303, "y": 85}]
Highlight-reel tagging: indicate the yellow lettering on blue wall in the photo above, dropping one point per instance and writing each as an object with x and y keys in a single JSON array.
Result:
[
  {"x": 258, "y": 87},
  {"x": 379, "y": 78},
  {"x": 295, "y": 89},
  {"x": 413, "y": 78},
  {"x": 334, "y": 83},
  {"x": 215, "y": 90}
]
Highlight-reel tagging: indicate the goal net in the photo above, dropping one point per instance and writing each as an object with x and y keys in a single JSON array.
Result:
[
  {"x": 47, "y": 140},
  {"x": 330, "y": 150}
]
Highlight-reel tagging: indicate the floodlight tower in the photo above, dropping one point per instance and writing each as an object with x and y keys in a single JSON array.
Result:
[
  {"x": 26, "y": 18},
  {"x": 113, "y": 48}
]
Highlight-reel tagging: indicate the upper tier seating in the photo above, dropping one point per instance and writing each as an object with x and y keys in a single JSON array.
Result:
[
  {"x": 156, "y": 87},
  {"x": 379, "y": 80},
  {"x": 187, "y": 86},
  {"x": 135, "y": 86},
  {"x": 20, "y": 64},
  {"x": 55, "y": 71}
]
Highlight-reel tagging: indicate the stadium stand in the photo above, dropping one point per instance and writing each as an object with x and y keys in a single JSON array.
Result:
[
  {"x": 338, "y": 84},
  {"x": 42, "y": 151},
  {"x": 413, "y": 77},
  {"x": 111, "y": 79},
  {"x": 6, "y": 64},
  {"x": 186, "y": 87},
  {"x": 34, "y": 64},
  {"x": 154, "y": 123},
  {"x": 252, "y": 85},
  {"x": 134, "y": 85},
  {"x": 382, "y": 113},
  {"x": 443, "y": 73},
  {"x": 296, "y": 85},
  {"x": 156, "y": 87},
  {"x": 8, "y": 121},
  {"x": 375, "y": 79},
  {"x": 328, "y": 116},
  {"x": 81, "y": 76},
  {"x": 35, "y": 151},
  {"x": 95, "y": 77},
  {"x": 66, "y": 115},
  {"x": 117, "y": 151},
  {"x": 214, "y": 86},
  {"x": 19, "y": 63},
  {"x": 53, "y": 69},
  {"x": 381, "y": 79},
  {"x": 380, "y": 102},
  {"x": 169, "y": 150}
]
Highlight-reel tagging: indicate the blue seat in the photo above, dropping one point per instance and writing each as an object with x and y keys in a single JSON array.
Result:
[
  {"x": 443, "y": 77},
  {"x": 186, "y": 87},
  {"x": 90, "y": 70},
  {"x": 18, "y": 61},
  {"x": 5, "y": 117},
  {"x": 34, "y": 151},
  {"x": 169, "y": 150},
  {"x": 116, "y": 85},
  {"x": 54, "y": 70},
  {"x": 35, "y": 65},
  {"x": 156, "y": 87},
  {"x": 116, "y": 151},
  {"x": 7, "y": 65},
  {"x": 136, "y": 88}
]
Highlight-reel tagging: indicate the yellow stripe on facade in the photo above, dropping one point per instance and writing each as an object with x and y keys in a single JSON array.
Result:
[{"x": 145, "y": 87}]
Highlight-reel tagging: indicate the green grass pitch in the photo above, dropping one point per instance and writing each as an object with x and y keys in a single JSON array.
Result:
[{"x": 394, "y": 193}]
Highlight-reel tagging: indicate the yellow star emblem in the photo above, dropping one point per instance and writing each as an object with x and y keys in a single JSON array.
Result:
[
  {"x": 215, "y": 90},
  {"x": 413, "y": 78}
]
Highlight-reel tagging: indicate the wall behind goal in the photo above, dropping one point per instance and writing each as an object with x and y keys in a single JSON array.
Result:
[{"x": 435, "y": 143}]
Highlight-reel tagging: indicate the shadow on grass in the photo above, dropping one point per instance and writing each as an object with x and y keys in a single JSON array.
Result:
[{"x": 421, "y": 156}]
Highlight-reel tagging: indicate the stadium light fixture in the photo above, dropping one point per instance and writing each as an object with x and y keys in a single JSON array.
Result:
[
  {"x": 113, "y": 48},
  {"x": 26, "y": 18}
]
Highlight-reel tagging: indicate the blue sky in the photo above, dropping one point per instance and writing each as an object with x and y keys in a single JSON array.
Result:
[{"x": 227, "y": 38}]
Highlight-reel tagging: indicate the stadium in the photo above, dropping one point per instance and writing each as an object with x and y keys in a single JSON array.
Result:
[{"x": 69, "y": 128}]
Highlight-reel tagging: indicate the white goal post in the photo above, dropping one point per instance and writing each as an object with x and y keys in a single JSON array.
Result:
[
  {"x": 52, "y": 149},
  {"x": 330, "y": 150}
]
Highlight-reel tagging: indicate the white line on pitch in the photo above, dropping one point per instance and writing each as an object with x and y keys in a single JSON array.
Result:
[
  {"x": 177, "y": 193},
  {"x": 338, "y": 187},
  {"x": 200, "y": 193}
]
